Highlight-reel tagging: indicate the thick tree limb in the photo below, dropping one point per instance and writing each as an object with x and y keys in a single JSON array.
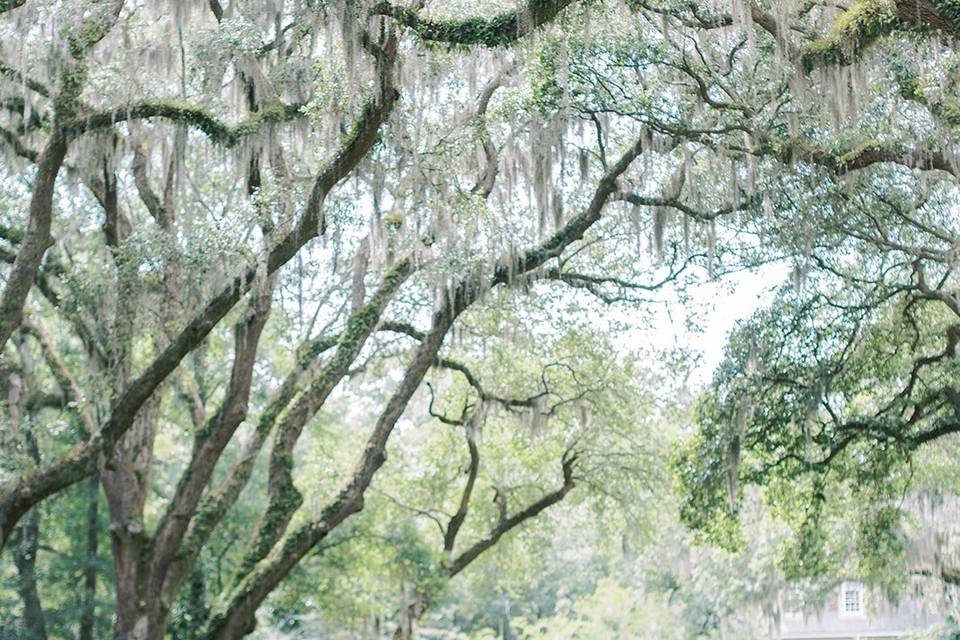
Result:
[
  {"x": 284, "y": 498},
  {"x": 36, "y": 240},
  {"x": 189, "y": 114},
  {"x": 867, "y": 155},
  {"x": 866, "y": 21},
  {"x": 215, "y": 503},
  {"x": 210, "y": 442},
  {"x": 498, "y": 31}
]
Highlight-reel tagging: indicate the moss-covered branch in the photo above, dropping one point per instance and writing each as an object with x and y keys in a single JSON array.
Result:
[
  {"x": 284, "y": 498},
  {"x": 499, "y": 31},
  {"x": 192, "y": 115},
  {"x": 211, "y": 439},
  {"x": 860, "y": 26},
  {"x": 869, "y": 20},
  {"x": 861, "y": 156}
]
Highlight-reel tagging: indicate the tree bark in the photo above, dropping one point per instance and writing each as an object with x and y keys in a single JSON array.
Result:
[
  {"x": 37, "y": 239},
  {"x": 25, "y": 557},
  {"x": 209, "y": 444},
  {"x": 126, "y": 485}
]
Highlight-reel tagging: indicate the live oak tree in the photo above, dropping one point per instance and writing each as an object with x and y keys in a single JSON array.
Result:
[
  {"x": 839, "y": 397},
  {"x": 124, "y": 320},
  {"x": 221, "y": 219}
]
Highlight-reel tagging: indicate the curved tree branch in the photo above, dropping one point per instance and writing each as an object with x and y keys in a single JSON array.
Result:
[
  {"x": 501, "y": 30},
  {"x": 188, "y": 114}
]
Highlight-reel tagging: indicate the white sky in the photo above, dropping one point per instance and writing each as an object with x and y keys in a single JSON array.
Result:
[{"x": 716, "y": 306}]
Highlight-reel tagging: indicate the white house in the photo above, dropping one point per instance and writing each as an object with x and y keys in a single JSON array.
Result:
[{"x": 852, "y": 612}]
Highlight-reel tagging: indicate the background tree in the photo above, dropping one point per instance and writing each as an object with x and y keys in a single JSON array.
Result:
[{"x": 832, "y": 397}]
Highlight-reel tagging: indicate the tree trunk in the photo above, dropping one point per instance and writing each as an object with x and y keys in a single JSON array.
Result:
[
  {"x": 34, "y": 627},
  {"x": 126, "y": 484},
  {"x": 88, "y": 616},
  {"x": 409, "y": 617},
  {"x": 25, "y": 557},
  {"x": 197, "y": 602}
]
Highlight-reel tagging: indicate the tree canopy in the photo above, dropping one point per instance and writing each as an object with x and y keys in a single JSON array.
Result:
[{"x": 315, "y": 310}]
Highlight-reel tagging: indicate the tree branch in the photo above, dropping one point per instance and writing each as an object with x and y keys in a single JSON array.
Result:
[
  {"x": 501, "y": 30},
  {"x": 530, "y": 511},
  {"x": 210, "y": 441},
  {"x": 188, "y": 114},
  {"x": 453, "y": 527},
  {"x": 283, "y": 496},
  {"x": 36, "y": 240}
]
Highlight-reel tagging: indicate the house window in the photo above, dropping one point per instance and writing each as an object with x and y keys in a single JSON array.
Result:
[{"x": 851, "y": 599}]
